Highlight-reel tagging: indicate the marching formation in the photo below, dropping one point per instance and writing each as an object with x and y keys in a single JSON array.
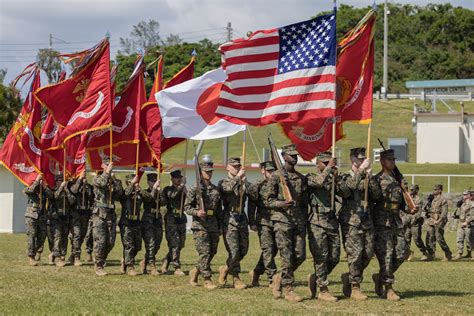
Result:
[{"x": 366, "y": 213}]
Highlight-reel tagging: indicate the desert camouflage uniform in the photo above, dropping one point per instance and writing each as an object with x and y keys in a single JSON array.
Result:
[
  {"x": 439, "y": 210},
  {"x": 151, "y": 226},
  {"x": 413, "y": 224},
  {"x": 80, "y": 215},
  {"x": 64, "y": 203},
  {"x": 464, "y": 234}
]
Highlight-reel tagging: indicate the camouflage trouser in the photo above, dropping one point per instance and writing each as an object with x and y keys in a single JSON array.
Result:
[
  {"x": 152, "y": 234},
  {"x": 206, "y": 246},
  {"x": 88, "y": 239},
  {"x": 236, "y": 241},
  {"x": 415, "y": 232},
  {"x": 359, "y": 244},
  {"x": 104, "y": 232},
  {"x": 266, "y": 263},
  {"x": 131, "y": 236},
  {"x": 433, "y": 234},
  {"x": 291, "y": 242},
  {"x": 59, "y": 229},
  {"x": 390, "y": 249},
  {"x": 464, "y": 236},
  {"x": 78, "y": 229},
  {"x": 50, "y": 236},
  {"x": 176, "y": 238},
  {"x": 325, "y": 246},
  {"x": 36, "y": 234}
]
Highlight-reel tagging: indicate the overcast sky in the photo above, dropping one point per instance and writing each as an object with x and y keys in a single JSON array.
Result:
[{"x": 25, "y": 25}]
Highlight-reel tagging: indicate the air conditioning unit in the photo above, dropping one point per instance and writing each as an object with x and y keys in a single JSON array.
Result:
[{"x": 400, "y": 148}]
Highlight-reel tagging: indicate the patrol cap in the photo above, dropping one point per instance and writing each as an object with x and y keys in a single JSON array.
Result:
[
  {"x": 234, "y": 161},
  {"x": 176, "y": 174},
  {"x": 267, "y": 165},
  {"x": 129, "y": 177},
  {"x": 414, "y": 187},
  {"x": 207, "y": 166},
  {"x": 358, "y": 152},
  {"x": 389, "y": 153},
  {"x": 438, "y": 187},
  {"x": 151, "y": 176},
  {"x": 324, "y": 156},
  {"x": 467, "y": 192},
  {"x": 289, "y": 150}
]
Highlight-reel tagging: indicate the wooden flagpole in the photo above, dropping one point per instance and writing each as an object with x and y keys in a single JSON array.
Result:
[
  {"x": 185, "y": 168},
  {"x": 366, "y": 183},
  {"x": 241, "y": 197},
  {"x": 136, "y": 174},
  {"x": 333, "y": 186},
  {"x": 111, "y": 159},
  {"x": 64, "y": 175}
]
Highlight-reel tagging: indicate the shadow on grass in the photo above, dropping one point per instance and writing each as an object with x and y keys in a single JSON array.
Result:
[{"x": 424, "y": 293}]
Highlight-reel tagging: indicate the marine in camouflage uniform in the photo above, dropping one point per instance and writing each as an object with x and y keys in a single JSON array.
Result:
[
  {"x": 413, "y": 224},
  {"x": 80, "y": 216},
  {"x": 437, "y": 219},
  {"x": 289, "y": 220},
  {"x": 130, "y": 225},
  {"x": 151, "y": 225},
  {"x": 38, "y": 195},
  {"x": 235, "y": 228},
  {"x": 390, "y": 244},
  {"x": 173, "y": 197},
  {"x": 207, "y": 224},
  {"x": 323, "y": 227},
  {"x": 259, "y": 220},
  {"x": 107, "y": 190},
  {"x": 64, "y": 203},
  {"x": 356, "y": 222},
  {"x": 465, "y": 215}
]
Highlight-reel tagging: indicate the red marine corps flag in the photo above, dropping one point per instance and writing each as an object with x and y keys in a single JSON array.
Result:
[
  {"x": 82, "y": 103},
  {"x": 355, "y": 69}
]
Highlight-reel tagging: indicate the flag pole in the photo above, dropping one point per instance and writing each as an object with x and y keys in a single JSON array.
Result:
[
  {"x": 185, "y": 168},
  {"x": 254, "y": 146},
  {"x": 366, "y": 182},
  {"x": 333, "y": 186},
  {"x": 158, "y": 195},
  {"x": 111, "y": 159},
  {"x": 136, "y": 174},
  {"x": 241, "y": 193},
  {"x": 64, "y": 175}
]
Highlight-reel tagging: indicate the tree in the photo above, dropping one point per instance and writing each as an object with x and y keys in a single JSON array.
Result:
[
  {"x": 48, "y": 60},
  {"x": 11, "y": 104},
  {"x": 172, "y": 40},
  {"x": 3, "y": 73},
  {"x": 143, "y": 36}
]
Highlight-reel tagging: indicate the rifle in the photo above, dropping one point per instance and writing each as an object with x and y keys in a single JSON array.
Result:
[
  {"x": 283, "y": 174},
  {"x": 399, "y": 177},
  {"x": 199, "y": 198}
]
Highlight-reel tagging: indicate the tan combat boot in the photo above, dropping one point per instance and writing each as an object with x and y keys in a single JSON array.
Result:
[
  {"x": 77, "y": 262},
  {"x": 325, "y": 295},
  {"x": 89, "y": 258},
  {"x": 61, "y": 262},
  {"x": 378, "y": 286},
  {"x": 276, "y": 289},
  {"x": 153, "y": 270},
  {"x": 447, "y": 256},
  {"x": 410, "y": 256},
  {"x": 356, "y": 293},
  {"x": 51, "y": 259},
  {"x": 457, "y": 257},
  {"x": 223, "y": 270},
  {"x": 38, "y": 256},
  {"x": 193, "y": 277},
  {"x": 179, "y": 272},
  {"x": 313, "y": 289},
  {"x": 123, "y": 269},
  {"x": 131, "y": 270},
  {"x": 238, "y": 284},
  {"x": 143, "y": 266},
  {"x": 255, "y": 278},
  {"x": 346, "y": 285},
  {"x": 291, "y": 296},
  {"x": 208, "y": 284},
  {"x": 391, "y": 294},
  {"x": 99, "y": 271},
  {"x": 424, "y": 257},
  {"x": 164, "y": 266},
  {"x": 32, "y": 261}
]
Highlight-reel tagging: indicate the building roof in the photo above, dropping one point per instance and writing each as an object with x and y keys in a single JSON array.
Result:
[{"x": 440, "y": 83}]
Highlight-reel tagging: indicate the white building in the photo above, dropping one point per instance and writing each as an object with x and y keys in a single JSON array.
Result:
[{"x": 12, "y": 203}]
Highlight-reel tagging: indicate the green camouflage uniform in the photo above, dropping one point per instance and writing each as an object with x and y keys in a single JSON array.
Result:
[
  {"x": 151, "y": 226},
  {"x": 413, "y": 224},
  {"x": 205, "y": 230},
  {"x": 175, "y": 223},
  {"x": 80, "y": 215},
  {"x": 435, "y": 232},
  {"x": 64, "y": 203},
  {"x": 464, "y": 234},
  {"x": 323, "y": 230},
  {"x": 390, "y": 244},
  {"x": 35, "y": 216},
  {"x": 104, "y": 226}
]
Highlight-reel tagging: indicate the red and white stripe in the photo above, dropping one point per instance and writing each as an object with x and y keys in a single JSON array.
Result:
[{"x": 254, "y": 93}]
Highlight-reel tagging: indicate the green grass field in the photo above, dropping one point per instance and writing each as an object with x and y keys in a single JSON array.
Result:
[{"x": 426, "y": 288}]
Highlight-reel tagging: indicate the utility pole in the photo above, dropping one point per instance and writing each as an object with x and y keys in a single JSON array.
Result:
[
  {"x": 226, "y": 140},
  {"x": 385, "y": 51},
  {"x": 50, "y": 41}
]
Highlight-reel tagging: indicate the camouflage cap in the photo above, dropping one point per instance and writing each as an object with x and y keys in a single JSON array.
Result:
[
  {"x": 207, "y": 166},
  {"x": 176, "y": 174},
  {"x": 234, "y": 161},
  {"x": 389, "y": 153},
  {"x": 129, "y": 177},
  {"x": 324, "y": 156},
  {"x": 267, "y": 165},
  {"x": 358, "y": 152},
  {"x": 151, "y": 176},
  {"x": 467, "y": 192},
  {"x": 289, "y": 150},
  {"x": 438, "y": 187},
  {"x": 105, "y": 160},
  {"x": 414, "y": 187}
]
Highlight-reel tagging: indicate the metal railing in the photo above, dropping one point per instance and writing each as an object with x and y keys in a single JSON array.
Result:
[{"x": 448, "y": 176}]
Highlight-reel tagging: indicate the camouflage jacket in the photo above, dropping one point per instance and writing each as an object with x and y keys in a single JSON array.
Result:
[
  {"x": 319, "y": 198},
  {"x": 438, "y": 211},
  {"x": 151, "y": 214},
  {"x": 106, "y": 192},
  {"x": 295, "y": 215},
  {"x": 132, "y": 200},
  {"x": 351, "y": 189},
  {"x": 411, "y": 219},
  {"x": 258, "y": 214},
  {"x": 171, "y": 197},
  {"x": 388, "y": 208},
  {"x": 64, "y": 202},
  {"x": 37, "y": 205},
  {"x": 213, "y": 222},
  {"x": 234, "y": 214},
  {"x": 466, "y": 213},
  {"x": 84, "y": 193}
]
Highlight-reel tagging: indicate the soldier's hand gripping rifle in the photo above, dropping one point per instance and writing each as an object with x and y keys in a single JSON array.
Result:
[
  {"x": 399, "y": 177},
  {"x": 281, "y": 170},
  {"x": 199, "y": 198}
]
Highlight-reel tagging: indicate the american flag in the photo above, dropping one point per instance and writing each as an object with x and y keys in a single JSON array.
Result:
[{"x": 281, "y": 75}]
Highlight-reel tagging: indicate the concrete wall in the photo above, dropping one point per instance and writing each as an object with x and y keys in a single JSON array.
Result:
[{"x": 12, "y": 203}]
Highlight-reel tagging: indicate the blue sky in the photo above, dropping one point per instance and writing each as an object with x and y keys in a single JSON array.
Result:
[{"x": 25, "y": 25}]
